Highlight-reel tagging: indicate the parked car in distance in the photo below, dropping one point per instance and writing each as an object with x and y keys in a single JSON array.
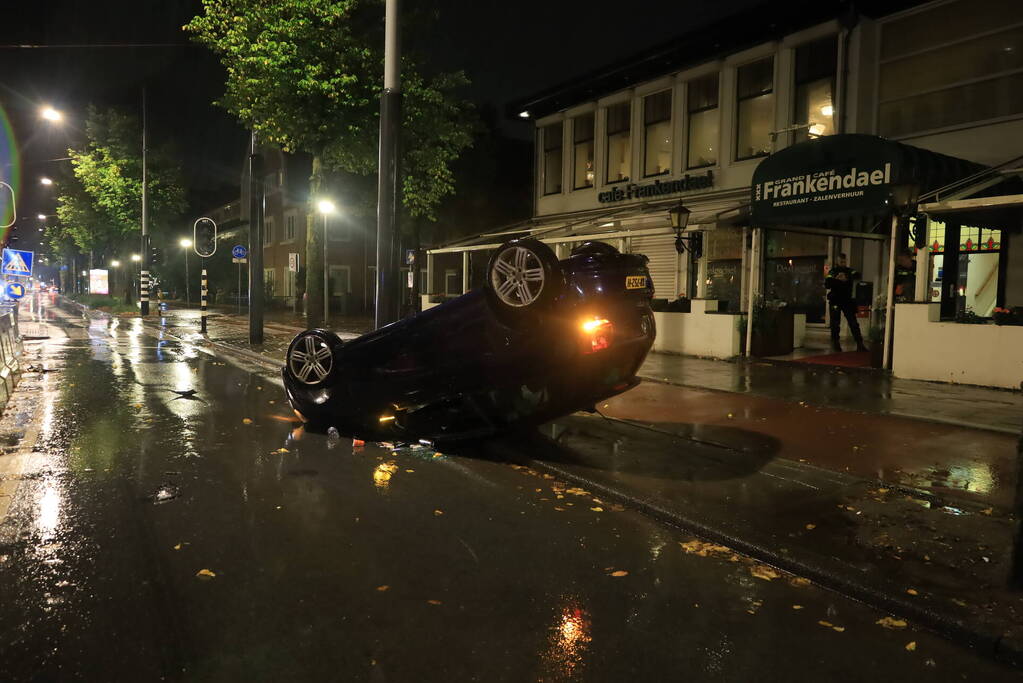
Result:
[{"x": 542, "y": 338}]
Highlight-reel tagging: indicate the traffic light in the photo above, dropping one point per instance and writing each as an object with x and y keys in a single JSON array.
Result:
[{"x": 155, "y": 255}]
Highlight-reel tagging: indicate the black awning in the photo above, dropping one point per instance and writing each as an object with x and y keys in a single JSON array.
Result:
[{"x": 845, "y": 182}]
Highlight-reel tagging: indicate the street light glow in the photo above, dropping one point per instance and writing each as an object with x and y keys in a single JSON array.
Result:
[
  {"x": 185, "y": 242},
  {"x": 41, "y": 216},
  {"x": 136, "y": 257},
  {"x": 326, "y": 206},
  {"x": 115, "y": 264},
  {"x": 45, "y": 181},
  {"x": 51, "y": 114}
]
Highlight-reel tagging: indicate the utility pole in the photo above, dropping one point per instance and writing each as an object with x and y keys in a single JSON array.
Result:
[
  {"x": 144, "y": 279},
  {"x": 387, "y": 294},
  {"x": 255, "y": 244}
]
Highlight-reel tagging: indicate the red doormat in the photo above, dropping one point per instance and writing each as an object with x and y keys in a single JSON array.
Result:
[{"x": 847, "y": 359}]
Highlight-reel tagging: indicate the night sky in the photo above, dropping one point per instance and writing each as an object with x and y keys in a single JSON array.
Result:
[{"x": 509, "y": 50}]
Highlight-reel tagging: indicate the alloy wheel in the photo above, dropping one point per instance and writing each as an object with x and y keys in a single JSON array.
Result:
[
  {"x": 517, "y": 277},
  {"x": 311, "y": 360}
]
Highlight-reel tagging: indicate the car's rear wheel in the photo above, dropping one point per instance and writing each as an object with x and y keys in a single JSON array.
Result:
[
  {"x": 523, "y": 277},
  {"x": 311, "y": 358}
]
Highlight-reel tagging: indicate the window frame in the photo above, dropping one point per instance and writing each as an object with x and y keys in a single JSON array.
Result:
[
  {"x": 544, "y": 130},
  {"x": 268, "y": 232},
  {"x": 689, "y": 116},
  {"x": 739, "y": 99},
  {"x": 670, "y": 92},
  {"x": 800, "y": 136},
  {"x": 607, "y": 141},
  {"x": 593, "y": 149}
]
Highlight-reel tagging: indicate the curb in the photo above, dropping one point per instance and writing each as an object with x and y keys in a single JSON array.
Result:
[{"x": 830, "y": 575}]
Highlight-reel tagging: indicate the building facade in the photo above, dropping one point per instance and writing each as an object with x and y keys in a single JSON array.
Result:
[{"x": 691, "y": 122}]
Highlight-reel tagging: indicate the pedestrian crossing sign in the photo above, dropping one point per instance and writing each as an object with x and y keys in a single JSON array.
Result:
[{"x": 16, "y": 262}]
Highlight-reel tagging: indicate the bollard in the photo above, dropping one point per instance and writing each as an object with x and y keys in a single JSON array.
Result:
[
  {"x": 203, "y": 292},
  {"x": 144, "y": 292}
]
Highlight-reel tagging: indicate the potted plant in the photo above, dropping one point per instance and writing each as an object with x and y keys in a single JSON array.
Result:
[
  {"x": 772, "y": 329},
  {"x": 875, "y": 342}
]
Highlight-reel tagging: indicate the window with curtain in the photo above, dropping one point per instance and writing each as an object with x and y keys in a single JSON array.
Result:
[
  {"x": 552, "y": 157},
  {"x": 582, "y": 151},
  {"x": 704, "y": 121},
  {"x": 657, "y": 134},
  {"x": 755, "y": 105},
  {"x": 619, "y": 148},
  {"x": 816, "y": 65}
]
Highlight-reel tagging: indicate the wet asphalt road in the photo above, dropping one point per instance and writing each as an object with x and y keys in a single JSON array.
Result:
[{"x": 152, "y": 537}]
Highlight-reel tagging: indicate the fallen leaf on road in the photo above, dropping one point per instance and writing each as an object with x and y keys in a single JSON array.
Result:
[
  {"x": 177, "y": 547},
  {"x": 889, "y": 622},
  {"x": 137, "y": 406},
  {"x": 703, "y": 549},
  {"x": 559, "y": 509},
  {"x": 912, "y": 591},
  {"x": 246, "y": 421},
  {"x": 205, "y": 574},
  {"x": 597, "y": 509},
  {"x": 620, "y": 573},
  {"x": 811, "y": 527},
  {"x": 438, "y": 513},
  {"x": 283, "y": 450},
  {"x": 410, "y": 471},
  {"x": 435, "y": 602},
  {"x": 762, "y": 571},
  {"x": 911, "y": 646},
  {"x": 826, "y": 624},
  {"x": 383, "y": 588},
  {"x": 799, "y": 582},
  {"x": 986, "y": 511},
  {"x": 797, "y": 607}
]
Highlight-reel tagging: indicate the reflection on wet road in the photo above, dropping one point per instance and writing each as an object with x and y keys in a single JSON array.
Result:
[{"x": 158, "y": 536}]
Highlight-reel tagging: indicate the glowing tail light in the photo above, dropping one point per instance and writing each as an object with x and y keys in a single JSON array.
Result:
[{"x": 597, "y": 334}]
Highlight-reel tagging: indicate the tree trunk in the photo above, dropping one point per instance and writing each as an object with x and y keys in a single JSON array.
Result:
[{"x": 314, "y": 250}]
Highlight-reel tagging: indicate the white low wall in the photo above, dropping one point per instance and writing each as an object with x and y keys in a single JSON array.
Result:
[
  {"x": 698, "y": 333},
  {"x": 987, "y": 355}
]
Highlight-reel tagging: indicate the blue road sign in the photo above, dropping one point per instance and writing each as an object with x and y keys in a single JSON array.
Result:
[
  {"x": 238, "y": 251},
  {"x": 17, "y": 262},
  {"x": 14, "y": 290}
]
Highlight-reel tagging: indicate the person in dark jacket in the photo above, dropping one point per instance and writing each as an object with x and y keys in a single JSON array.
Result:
[
  {"x": 839, "y": 283},
  {"x": 905, "y": 276}
]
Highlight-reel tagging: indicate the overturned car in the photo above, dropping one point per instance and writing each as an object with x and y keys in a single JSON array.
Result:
[{"x": 542, "y": 338}]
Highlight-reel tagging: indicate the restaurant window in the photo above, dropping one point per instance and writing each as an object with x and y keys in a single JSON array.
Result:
[
  {"x": 619, "y": 148},
  {"x": 953, "y": 64},
  {"x": 722, "y": 250},
  {"x": 970, "y": 256},
  {"x": 704, "y": 122},
  {"x": 582, "y": 151},
  {"x": 794, "y": 272},
  {"x": 755, "y": 105},
  {"x": 268, "y": 231},
  {"x": 657, "y": 134},
  {"x": 816, "y": 64},
  {"x": 552, "y": 156}
]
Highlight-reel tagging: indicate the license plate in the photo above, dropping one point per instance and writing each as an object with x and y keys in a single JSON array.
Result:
[{"x": 635, "y": 282}]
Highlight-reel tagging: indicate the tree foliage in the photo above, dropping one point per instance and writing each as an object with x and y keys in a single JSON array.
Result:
[
  {"x": 101, "y": 200},
  {"x": 307, "y": 75}
]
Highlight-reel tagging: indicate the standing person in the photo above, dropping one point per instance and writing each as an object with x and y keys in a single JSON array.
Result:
[
  {"x": 905, "y": 276},
  {"x": 839, "y": 284}
]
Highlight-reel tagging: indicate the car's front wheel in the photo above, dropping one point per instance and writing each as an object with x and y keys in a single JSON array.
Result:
[
  {"x": 523, "y": 276},
  {"x": 311, "y": 358}
]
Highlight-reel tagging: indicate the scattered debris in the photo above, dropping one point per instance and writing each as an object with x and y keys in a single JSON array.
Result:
[
  {"x": 246, "y": 421},
  {"x": 205, "y": 574},
  {"x": 762, "y": 571},
  {"x": 619, "y": 573},
  {"x": 811, "y": 527},
  {"x": 383, "y": 588},
  {"x": 911, "y": 646},
  {"x": 435, "y": 602},
  {"x": 889, "y": 622}
]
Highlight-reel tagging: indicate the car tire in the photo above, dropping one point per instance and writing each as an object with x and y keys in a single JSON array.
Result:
[
  {"x": 311, "y": 359},
  {"x": 523, "y": 278}
]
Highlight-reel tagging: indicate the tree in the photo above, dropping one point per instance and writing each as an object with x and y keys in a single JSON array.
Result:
[
  {"x": 100, "y": 204},
  {"x": 307, "y": 74}
]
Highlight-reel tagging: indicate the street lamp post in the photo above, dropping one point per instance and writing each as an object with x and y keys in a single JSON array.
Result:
[
  {"x": 326, "y": 208},
  {"x": 186, "y": 244},
  {"x": 113, "y": 280}
]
